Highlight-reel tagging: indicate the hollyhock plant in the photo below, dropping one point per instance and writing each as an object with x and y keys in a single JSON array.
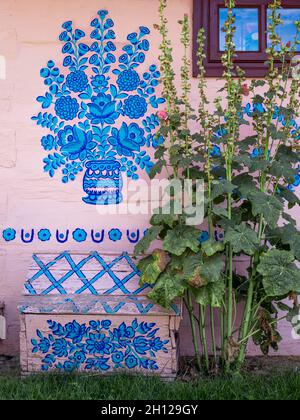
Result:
[{"x": 249, "y": 183}]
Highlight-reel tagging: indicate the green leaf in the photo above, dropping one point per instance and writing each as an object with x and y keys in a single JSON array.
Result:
[
  {"x": 222, "y": 187},
  {"x": 270, "y": 207},
  {"x": 179, "y": 239},
  {"x": 220, "y": 211},
  {"x": 199, "y": 272},
  {"x": 144, "y": 244},
  {"x": 242, "y": 239},
  {"x": 211, "y": 247},
  {"x": 286, "y": 154},
  {"x": 246, "y": 184},
  {"x": 152, "y": 266},
  {"x": 164, "y": 219},
  {"x": 169, "y": 287},
  {"x": 157, "y": 168},
  {"x": 289, "y": 196},
  {"x": 291, "y": 236},
  {"x": 211, "y": 295},
  {"x": 280, "y": 275},
  {"x": 283, "y": 169}
]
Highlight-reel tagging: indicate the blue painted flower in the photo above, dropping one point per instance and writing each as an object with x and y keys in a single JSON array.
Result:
[
  {"x": 102, "y": 110},
  {"x": 131, "y": 362},
  {"x": 123, "y": 333},
  {"x": 144, "y": 30},
  {"x": 69, "y": 367},
  {"x": 128, "y": 80},
  {"x": 60, "y": 348},
  {"x": 77, "y": 81},
  {"x": 73, "y": 141},
  {"x": 99, "y": 82},
  {"x": 67, "y": 25},
  {"x": 9, "y": 234},
  {"x": 117, "y": 357},
  {"x": 156, "y": 344},
  {"x": 135, "y": 107},
  {"x": 44, "y": 235},
  {"x": 203, "y": 237},
  {"x": 141, "y": 345},
  {"x": 103, "y": 13},
  {"x": 80, "y": 357},
  {"x": 115, "y": 235},
  {"x": 128, "y": 139},
  {"x": 133, "y": 38},
  {"x": 66, "y": 108},
  {"x": 98, "y": 344},
  {"x": 79, "y": 235},
  {"x": 75, "y": 331},
  {"x": 106, "y": 323},
  {"x": 44, "y": 345},
  {"x": 48, "y": 142}
]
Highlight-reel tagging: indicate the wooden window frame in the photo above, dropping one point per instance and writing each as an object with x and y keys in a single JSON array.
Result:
[{"x": 206, "y": 14}]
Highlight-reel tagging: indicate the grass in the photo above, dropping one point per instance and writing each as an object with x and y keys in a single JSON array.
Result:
[{"x": 284, "y": 386}]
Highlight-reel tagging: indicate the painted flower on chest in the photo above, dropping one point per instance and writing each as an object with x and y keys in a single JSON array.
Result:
[
  {"x": 98, "y": 344},
  {"x": 128, "y": 139},
  {"x": 60, "y": 348},
  {"x": 141, "y": 345},
  {"x": 75, "y": 331},
  {"x": 102, "y": 110},
  {"x": 124, "y": 332},
  {"x": 74, "y": 141}
]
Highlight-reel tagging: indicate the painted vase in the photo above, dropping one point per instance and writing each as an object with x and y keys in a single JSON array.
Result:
[{"x": 103, "y": 182}]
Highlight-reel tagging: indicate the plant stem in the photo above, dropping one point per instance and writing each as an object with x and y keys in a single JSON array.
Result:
[
  {"x": 246, "y": 323},
  {"x": 213, "y": 335},
  {"x": 190, "y": 309},
  {"x": 203, "y": 335}
]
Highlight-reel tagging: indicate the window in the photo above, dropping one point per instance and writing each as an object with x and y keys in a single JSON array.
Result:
[{"x": 251, "y": 38}]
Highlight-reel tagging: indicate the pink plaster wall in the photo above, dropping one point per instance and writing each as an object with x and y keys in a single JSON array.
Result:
[{"x": 28, "y": 198}]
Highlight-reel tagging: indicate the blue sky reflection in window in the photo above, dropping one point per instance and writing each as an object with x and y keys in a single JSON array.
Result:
[
  {"x": 247, "y": 21},
  {"x": 287, "y": 30},
  {"x": 100, "y": 112}
]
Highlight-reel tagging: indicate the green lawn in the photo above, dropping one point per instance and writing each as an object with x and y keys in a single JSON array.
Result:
[{"x": 278, "y": 386}]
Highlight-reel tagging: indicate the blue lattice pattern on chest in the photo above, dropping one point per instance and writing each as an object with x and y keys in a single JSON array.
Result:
[{"x": 92, "y": 274}]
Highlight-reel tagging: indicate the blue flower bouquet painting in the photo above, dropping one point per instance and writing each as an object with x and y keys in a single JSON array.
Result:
[{"x": 99, "y": 110}]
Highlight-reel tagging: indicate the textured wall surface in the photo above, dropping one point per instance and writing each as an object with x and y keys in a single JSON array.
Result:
[{"x": 29, "y": 199}]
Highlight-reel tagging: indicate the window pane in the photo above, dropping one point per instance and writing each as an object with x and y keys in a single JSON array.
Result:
[
  {"x": 287, "y": 30},
  {"x": 246, "y": 37}
]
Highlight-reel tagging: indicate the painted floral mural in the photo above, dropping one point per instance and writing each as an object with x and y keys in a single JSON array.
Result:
[
  {"x": 98, "y": 346},
  {"x": 100, "y": 116}
]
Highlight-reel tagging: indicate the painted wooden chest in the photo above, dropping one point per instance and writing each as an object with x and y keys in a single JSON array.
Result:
[{"x": 88, "y": 313}]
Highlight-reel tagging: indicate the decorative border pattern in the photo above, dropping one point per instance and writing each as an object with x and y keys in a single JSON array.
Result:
[
  {"x": 99, "y": 347},
  {"x": 80, "y": 235},
  {"x": 93, "y": 305}
]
